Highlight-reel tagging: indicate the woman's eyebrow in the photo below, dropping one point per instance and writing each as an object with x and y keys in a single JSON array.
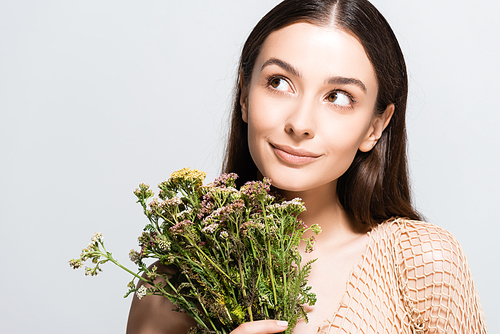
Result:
[
  {"x": 283, "y": 64},
  {"x": 331, "y": 81},
  {"x": 346, "y": 81}
]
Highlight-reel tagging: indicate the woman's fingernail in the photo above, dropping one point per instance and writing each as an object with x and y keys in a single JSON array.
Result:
[{"x": 282, "y": 323}]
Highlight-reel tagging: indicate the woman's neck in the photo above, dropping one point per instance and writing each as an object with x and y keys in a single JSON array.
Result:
[{"x": 323, "y": 208}]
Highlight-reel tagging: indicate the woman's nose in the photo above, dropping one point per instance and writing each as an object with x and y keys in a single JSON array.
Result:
[{"x": 300, "y": 122}]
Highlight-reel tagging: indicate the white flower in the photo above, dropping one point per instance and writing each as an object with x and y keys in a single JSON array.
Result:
[
  {"x": 210, "y": 228},
  {"x": 141, "y": 292},
  {"x": 185, "y": 214},
  {"x": 97, "y": 236},
  {"x": 164, "y": 245},
  {"x": 175, "y": 201}
]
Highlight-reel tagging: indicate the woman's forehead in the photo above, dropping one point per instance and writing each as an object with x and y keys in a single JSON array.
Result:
[{"x": 318, "y": 52}]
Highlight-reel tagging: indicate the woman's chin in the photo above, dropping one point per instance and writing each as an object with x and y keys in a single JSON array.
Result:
[
  {"x": 294, "y": 188},
  {"x": 288, "y": 180}
]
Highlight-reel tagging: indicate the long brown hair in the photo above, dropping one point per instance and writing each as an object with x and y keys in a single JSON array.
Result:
[{"x": 376, "y": 185}]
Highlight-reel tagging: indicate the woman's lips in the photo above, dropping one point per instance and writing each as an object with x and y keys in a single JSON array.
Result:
[{"x": 292, "y": 155}]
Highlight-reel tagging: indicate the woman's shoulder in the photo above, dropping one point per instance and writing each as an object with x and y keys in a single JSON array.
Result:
[
  {"x": 415, "y": 233},
  {"x": 434, "y": 276},
  {"x": 429, "y": 259},
  {"x": 419, "y": 245}
]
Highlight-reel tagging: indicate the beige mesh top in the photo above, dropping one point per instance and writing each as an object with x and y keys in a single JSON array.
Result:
[{"x": 413, "y": 278}]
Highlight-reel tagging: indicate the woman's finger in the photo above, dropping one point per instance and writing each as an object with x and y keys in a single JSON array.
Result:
[{"x": 261, "y": 327}]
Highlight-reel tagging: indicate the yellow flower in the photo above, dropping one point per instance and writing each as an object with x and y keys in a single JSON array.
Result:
[
  {"x": 191, "y": 175},
  {"x": 221, "y": 301},
  {"x": 238, "y": 312}
]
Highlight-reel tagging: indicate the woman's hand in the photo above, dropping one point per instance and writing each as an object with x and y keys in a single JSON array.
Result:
[{"x": 261, "y": 327}]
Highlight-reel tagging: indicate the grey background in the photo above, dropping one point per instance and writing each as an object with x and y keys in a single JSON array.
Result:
[{"x": 98, "y": 96}]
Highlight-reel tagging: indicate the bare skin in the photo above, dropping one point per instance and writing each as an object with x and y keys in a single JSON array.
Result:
[
  {"x": 311, "y": 110},
  {"x": 338, "y": 249},
  {"x": 155, "y": 315}
]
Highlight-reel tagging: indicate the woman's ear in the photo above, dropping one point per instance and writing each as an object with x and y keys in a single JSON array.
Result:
[
  {"x": 378, "y": 125},
  {"x": 244, "y": 106},
  {"x": 243, "y": 99}
]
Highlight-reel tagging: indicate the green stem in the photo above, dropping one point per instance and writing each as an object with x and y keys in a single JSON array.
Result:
[
  {"x": 163, "y": 292},
  {"x": 210, "y": 260},
  {"x": 203, "y": 306},
  {"x": 110, "y": 258},
  {"x": 187, "y": 195},
  {"x": 249, "y": 307},
  {"x": 108, "y": 255},
  {"x": 165, "y": 218},
  {"x": 285, "y": 285},
  {"x": 271, "y": 271},
  {"x": 193, "y": 314}
]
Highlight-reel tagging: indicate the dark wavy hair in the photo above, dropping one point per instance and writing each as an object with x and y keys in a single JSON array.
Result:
[{"x": 376, "y": 185}]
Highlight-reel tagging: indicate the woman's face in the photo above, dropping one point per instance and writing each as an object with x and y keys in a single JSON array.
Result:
[{"x": 310, "y": 106}]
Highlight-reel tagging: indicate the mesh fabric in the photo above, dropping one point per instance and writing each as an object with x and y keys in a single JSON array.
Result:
[{"x": 413, "y": 278}]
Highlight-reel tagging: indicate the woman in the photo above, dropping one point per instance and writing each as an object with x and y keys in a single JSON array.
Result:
[{"x": 320, "y": 109}]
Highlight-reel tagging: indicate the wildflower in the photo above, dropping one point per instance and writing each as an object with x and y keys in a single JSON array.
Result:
[
  {"x": 135, "y": 256},
  {"x": 220, "y": 300},
  {"x": 210, "y": 228},
  {"x": 224, "y": 192},
  {"x": 234, "y": 196},
  {"x": 223, "y": 213},
  {"x": 143, "y": 192},
  {"x": 163, "y": 243},
  {"x": 154, "y": 205},
  {"x": 185, "y": 214},
  {"x": 295, "y": 205},
  {"x": 195, "y": 228},
  {"x": 250, "y": 225},
  {"x": 170, "y": 202},
  {"x": 310, "y": 244},
  {"x": 75, "y": 264},
  {"x": 301, "y": 224},
  {"x": 97, "y": 237},
  {"x": 167, "y": 259},
  {"x": 316, "y": 229},
  {"x": 180, "y": 227},
  {"x": 171, "y": 258},
  {"x": 208, "y": 220},
  {"x": 141, "y": 292},
  {"x": 92, "y": 271},
  {"x": 238, "y": 205},
  {"x": 238, "y": 312},
  {"x": 226, "y": 180},
  {"x": 193, "y": 176},
  {"x": 269, "y": 198},
  {"x": 256, "y": 190},
  {"x": 207, "y": 205},
  {"x": 152, "y": 275},
  {"x": 264, "y": 300},
  {"x": 145, "y": 238}
]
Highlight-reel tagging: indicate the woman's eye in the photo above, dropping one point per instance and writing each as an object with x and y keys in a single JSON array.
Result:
[
  {"x": 340, "y": 99},
  {"x": 280, "y": 84}
]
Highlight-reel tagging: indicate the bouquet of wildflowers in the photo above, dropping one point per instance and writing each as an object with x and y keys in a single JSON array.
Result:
[{"x": 235, "y": 252}]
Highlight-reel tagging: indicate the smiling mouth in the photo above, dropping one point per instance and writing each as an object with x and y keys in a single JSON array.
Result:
[{"x": 295, "y": 156}]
